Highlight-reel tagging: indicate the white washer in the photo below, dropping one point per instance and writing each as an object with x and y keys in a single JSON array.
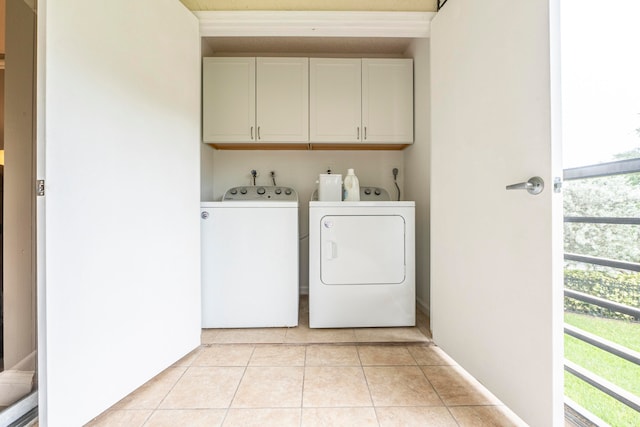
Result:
[
  {"x": 362, "y": 262},
  {"x": 250, "y": 258}
]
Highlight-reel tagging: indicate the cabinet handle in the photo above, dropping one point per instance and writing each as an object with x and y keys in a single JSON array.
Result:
[
  {"x": 365, "y": 133},
  {"x": 259, "y": 132},
  {"x": 252, "y": 133},
  {"x": 358, "y": 137}
]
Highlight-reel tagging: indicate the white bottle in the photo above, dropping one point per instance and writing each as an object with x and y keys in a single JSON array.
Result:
[{"x": 351, "y": 187}]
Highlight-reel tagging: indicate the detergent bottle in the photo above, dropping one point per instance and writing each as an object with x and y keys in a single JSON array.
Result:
[{"x": 351, "y": 187}]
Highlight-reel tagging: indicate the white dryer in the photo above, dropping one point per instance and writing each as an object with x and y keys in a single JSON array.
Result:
[
  {"x": 362, "y": 262},
  {"x": 249, "y": 246}
]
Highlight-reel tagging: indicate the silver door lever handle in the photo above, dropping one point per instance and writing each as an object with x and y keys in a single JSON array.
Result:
[{"x": 535, "y": 185}]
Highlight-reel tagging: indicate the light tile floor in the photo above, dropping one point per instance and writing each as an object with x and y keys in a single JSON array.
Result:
[
  {"x": 302, "y": 334},
  {"x": 308, "y": 377}
]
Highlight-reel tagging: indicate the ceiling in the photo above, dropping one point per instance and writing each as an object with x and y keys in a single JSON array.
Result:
[
  {"x": 323, "y": 5},
  {"x": 387, "y": 46}
]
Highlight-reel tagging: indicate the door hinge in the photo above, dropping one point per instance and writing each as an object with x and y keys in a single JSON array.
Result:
[
  {"x": 40, "y": 187},
  {"x": 557, "y": 184}
]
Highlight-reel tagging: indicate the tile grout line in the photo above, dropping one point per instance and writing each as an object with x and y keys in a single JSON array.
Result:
[
  {"x": 304, "y": 377},
  {"x": 186, "y": 368},
  {"x": 246, "y": 366},
  {"x": 146, "y": 420},
  {"x": 438, "y": 394},
  {"x": 366, "y": 380}
]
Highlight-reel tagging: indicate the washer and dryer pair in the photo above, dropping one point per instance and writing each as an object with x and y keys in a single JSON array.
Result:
[{"x": 361, "y": 260}]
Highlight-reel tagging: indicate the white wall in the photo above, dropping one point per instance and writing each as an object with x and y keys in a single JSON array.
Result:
[
  {"x": 206, "y": 175},
  {"x": 417, "y": 161},
  {"x": 300, "y": 169},
  {"x": 19, "y": 281},
  {"x": 119, "y": 86}
]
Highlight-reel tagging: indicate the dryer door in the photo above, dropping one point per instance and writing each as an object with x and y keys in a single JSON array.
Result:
[{"x": 362, "y": 249}]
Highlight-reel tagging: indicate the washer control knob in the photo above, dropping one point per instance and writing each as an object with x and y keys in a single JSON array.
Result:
[
  {"x": 261, "y": 190},
  {"x": 278, "y": 190},
  {"x": 243, "y": 191},
  {"x": 234, "y": 191},
  {"x": 377, "y": 192},
  {"x": 367, "y": 191},
  {"x": 287, "y": 191},
  {"x": 204, "y": 215}
]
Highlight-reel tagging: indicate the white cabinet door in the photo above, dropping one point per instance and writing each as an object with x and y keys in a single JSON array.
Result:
[
  {"x": 335, "y": 100},
  {"x": 282, "y": 99},
  {"x": 387, "y": 100},
  {"x": 496, "y": 255},
  {"x": 228, "y": 99}
]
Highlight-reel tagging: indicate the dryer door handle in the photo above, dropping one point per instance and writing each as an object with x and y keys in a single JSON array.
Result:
[{"x": 330, "y": 249}]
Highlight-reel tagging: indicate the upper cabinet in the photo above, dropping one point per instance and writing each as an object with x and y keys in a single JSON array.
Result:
[
  {"x": 249, "y": 100},
  {"x": 387, "y": 100},
  {"x": 228, "y": 99},
  {"x": 335, "y": 112},
  {"x": 322, "y": 103},
  {"x": 366, "y": 101},
  {"x": 282, "y": 100}
]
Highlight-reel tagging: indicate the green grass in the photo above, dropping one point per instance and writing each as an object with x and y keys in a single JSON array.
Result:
[
  {"x": 621, "y": 332},
  {"x": 618, "y": 371}
]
